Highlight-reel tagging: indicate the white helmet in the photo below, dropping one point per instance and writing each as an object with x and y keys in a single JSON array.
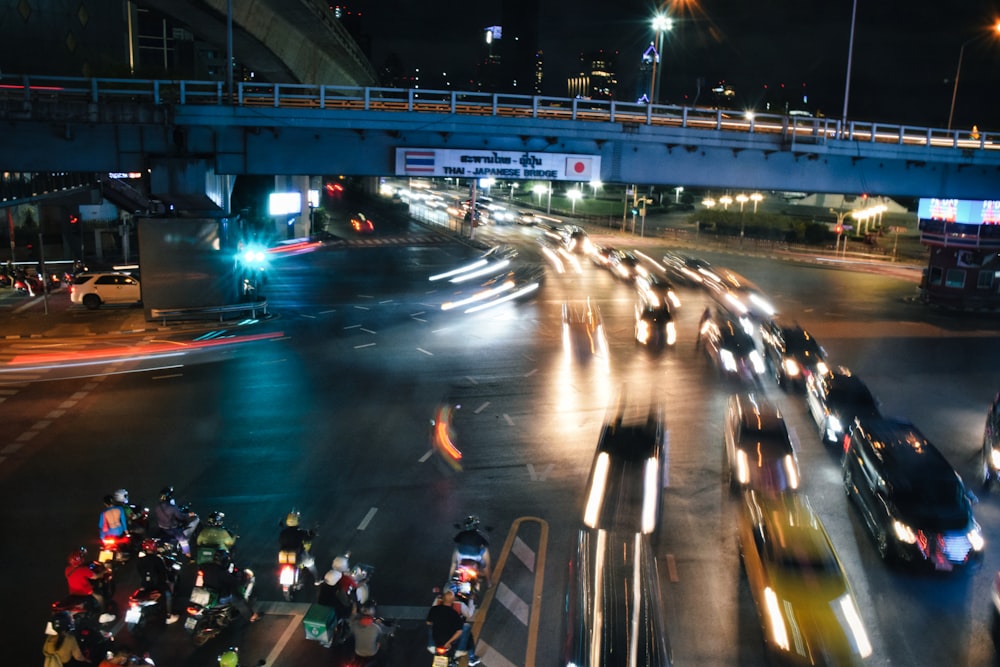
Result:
[
  {"x": 332, "y": 577},
  {"x": 340, "y": 564},
  {"x": 120, "y": 496}
]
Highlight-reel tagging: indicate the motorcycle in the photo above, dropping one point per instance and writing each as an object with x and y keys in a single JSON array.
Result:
[
  {"x": 115, "y": 550},
  {"x": 94, "y": 640},
  {"x": 208, "y": 614},
  {"x": 147, "y": 603},
  {"x": 290, "y": 566},
  {"x": 328, "y": 621},
  {"x": 81, "y": 607},
  {"x": 30, "y": 285}
]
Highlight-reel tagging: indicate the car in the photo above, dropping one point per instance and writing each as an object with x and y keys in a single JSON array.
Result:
[
  {"x": 835, "y": 399},
  {"x": 584, "y": 336},
  {"x": 807, "y": 608},
  {"x": 526, "y": 218},
  {"x": 362, "y": 224},
  {"x": 96, "y": 289},
  {"x": 601, "y": 256},
  {"x": 626, "y": 478},
  {"x": 759, "y": 450},
  {"x": 909, "y": 497},
  {"x": 578, "y": 241},
  {"x": 791, "y": 353},
  {"x": 657, "y": 288},
  {"x": 626, "y": 265},
  {"x": 688, "y": 270},
  {"x": 729, "y": 347},
  {"x": 654, "y": 321},
  {"x": 991, "y": 445},
  {"x": 743, "y": 295}
]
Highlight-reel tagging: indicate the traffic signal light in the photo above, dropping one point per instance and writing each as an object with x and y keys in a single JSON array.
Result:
[{"x": 635, "y": 211}]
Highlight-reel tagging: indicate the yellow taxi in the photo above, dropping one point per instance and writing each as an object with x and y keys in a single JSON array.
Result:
[{"x": 806, "y": 606}]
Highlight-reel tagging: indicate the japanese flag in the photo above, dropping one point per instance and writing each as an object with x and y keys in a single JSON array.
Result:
[{"x": 578, "y": 168}]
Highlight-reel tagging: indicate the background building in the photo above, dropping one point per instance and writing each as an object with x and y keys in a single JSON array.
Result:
[{"x": 596, "y": 79}]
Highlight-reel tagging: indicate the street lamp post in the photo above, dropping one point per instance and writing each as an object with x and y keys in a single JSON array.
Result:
[
  {"x": 661, "y": 24},
  {"x": 573, "y": 195},
  {"x": 850, "y": 57},
  {"x": 742, "y": 199},
  {"x": 756, "y": 199},
  {"x": 958, "y": 70}
]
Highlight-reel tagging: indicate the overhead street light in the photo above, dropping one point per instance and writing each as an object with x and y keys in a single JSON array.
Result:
[
  {"x": 756, "y": 198},
  {"x": 725, "y": 200},
  {"x": 661, "y": 24},
  {"x": 573, "y": 195},
  {"x": 958, "y": 70}
]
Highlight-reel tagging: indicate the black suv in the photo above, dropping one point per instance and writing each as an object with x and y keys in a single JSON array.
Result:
[
  {"x": 791, "y": 354},
  {"x": 912, "y": 501}
]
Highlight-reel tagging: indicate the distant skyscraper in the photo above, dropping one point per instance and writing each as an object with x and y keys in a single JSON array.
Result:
[{"x": 596, "y": 79}]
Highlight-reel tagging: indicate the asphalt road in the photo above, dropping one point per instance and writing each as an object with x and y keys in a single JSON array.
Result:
[{"x": 331, "y": 415}]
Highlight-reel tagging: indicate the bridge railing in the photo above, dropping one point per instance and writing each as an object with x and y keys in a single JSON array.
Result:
[{"x": 32, "y": 96}]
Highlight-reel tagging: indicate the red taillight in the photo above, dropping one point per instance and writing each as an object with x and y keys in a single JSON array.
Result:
[{"x": 847, "y": 442}]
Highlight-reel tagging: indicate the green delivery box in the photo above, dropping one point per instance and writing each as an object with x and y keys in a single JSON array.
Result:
[{"x": 318, "y": 621}]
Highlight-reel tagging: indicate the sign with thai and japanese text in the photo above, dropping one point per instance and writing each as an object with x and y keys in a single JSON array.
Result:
[{"x": 510, "y": 165}]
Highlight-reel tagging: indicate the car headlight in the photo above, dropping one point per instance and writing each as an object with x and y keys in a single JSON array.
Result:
[
  {"x": 791, "y": 472},
  {"x": 903, "y": 532},
  {"x": 822, "y": 368},
  {"x": 779, "y": 634},
  {"x": 728, "y": 360},
  {"x": 642, "y": 332},
  {"x": 674, "y": 299},
  {"x": 791, "y": 367},
  {"x": 976, "y": 537},
  {"x": 742, "y": 467},
  {"x": 995, "y": 458},
  {"x": 833, "y": 424},
  {"x": 757, "y": 362},
  {"x": 671, "y": 333}
]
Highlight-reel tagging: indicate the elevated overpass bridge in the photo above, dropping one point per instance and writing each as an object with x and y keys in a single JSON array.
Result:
[{"x": 190, "y": 131}]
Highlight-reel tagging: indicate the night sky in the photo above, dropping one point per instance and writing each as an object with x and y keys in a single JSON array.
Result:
[{"x": 904, "y": 59}]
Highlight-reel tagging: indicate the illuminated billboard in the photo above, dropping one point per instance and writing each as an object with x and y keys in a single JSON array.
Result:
[
  {"x": 964, "y": 211},
  {"x": 284, "y": 203},
  {"x": 511, "y": 165}
]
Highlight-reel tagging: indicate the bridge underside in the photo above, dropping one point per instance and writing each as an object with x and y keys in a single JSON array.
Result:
[{"x": 232, "y": 141}]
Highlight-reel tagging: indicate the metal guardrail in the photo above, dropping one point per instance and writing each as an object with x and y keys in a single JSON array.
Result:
[
  {"x": 198, "y": 313},
  {"x": 34, "y": 96}
]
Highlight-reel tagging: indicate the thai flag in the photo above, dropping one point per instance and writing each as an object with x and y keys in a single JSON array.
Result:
[{"x": 418, "y": 162}]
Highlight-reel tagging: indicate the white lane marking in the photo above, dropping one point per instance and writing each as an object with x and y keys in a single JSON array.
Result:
[
  {"x": 311, "y": 317},
  {"x": 327, "y": 312},
  {"x": 362, "y": 308},
  {"x": 78, "y": 395},
  {"x": 365, "y": 296},
  {"x": 524, "y": 553},
  {"x": 489, "y": 656},
  {"x": 26, "y": 436},
  {"x": 513, "y": 603},
  {"x": 429, "y": 354},
  {"x": 480, "y": 408},
  {"x": 539, "y": 476},
  {"x": 386, "y": 301},
  {"x": 167, "y": 377},
  {"x": 65, "y": 405},
  {"x": 272, "y": 609},
  {"x": 353, "y": 326},
  {"x": 367, "y": 330},
  {"x": 39, "y": 425},
  {"x": 531, "y": 372},
  {"x": 427, "y": 455},
  {"x": 418, "y": 319},
  {"x": 8, "y": 392},
  {"x": 419, "y": 312},
  {"x": 471, "y": 379},
  {"x": 368, "y": 518},
  {"x": 55, "y": 414},
  {"x": 11, "y": 448},
  {"x": 506, "y": 417},
  {"x": 358, "y": 347}
]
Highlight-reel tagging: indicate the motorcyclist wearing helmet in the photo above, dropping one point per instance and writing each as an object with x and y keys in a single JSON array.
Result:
[
  {"x": 155, "y": 574},
  {"x": 227, "y": 581},
  {"x": 173, "y": 522},
  {"x": 298, "y": 540},
  {"x": 447, "y": 626},
  {"x": 230, "y": 657},
  {"x": 214, "y": 535},
  {"x": 471, "y": 543},
  {"x": 338, "y": 588},
  {"x": 113, "y": 521},
  {"x": 135, "y": 520},
  {"x": 81, "y": 577},
  {"x": 60, "y": 643}
]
